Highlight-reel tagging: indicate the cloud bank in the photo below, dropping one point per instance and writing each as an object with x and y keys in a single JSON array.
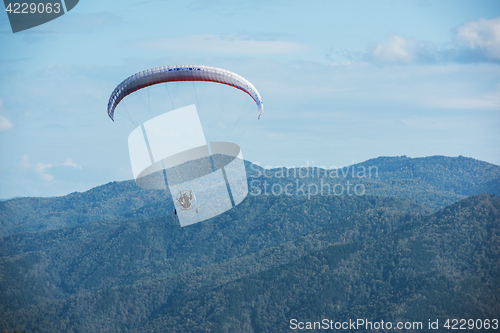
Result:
[
  {"x": 5, "y": 124},
  {"x": 474, "y": 41},
  {"x": 41, "y": 169},
  {"x": 482, "y": 35}
]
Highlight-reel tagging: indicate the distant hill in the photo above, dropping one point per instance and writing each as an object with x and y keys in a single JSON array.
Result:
[
  {"x": 103, "y": 202},
  {"x": 435, "y": 181},
  {"x": 460, "y": 175},
  {"x": 253, "y": 269}
]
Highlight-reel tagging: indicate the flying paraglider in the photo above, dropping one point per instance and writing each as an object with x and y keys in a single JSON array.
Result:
[
  {"x": 181, "y": 73},
  {"x": 170, "y": 151}
]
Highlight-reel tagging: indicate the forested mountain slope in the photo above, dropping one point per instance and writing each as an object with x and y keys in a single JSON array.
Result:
[{"x": 327, "y": 257}]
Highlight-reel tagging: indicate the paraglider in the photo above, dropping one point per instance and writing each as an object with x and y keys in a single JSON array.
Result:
[
  {"x": 170, "y": 151},
  {"x": 181, "y": 73}
]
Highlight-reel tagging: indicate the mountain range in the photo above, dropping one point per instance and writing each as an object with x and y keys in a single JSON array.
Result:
[{"x": 422, "y": 242}]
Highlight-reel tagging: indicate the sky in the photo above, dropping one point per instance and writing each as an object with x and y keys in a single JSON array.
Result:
[{"x": 342, "y": 82}]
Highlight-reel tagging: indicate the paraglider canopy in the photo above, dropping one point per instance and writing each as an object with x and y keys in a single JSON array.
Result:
[{"x": 181, "y": 73}]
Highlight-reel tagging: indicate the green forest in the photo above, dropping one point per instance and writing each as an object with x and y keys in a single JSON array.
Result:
[{"x": 422, "y": 243}]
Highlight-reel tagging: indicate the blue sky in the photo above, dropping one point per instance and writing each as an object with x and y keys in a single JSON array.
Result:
[{"x": 342, "y": 82}]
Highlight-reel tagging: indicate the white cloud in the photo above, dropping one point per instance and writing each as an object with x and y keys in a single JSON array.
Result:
[
  {"x": 41, "y": 169},
  {"x": 25, "y": 163},
  {"x": 476, "y": 41},
  {"x": 226, "y": 44},
  {"x": 483, "y": 35},
  {"x": 5, "y": 124},
  {"x": 70, "y": 163},
  {"x": 397, "y": 49},
  {"x": 401, "y": 50}
]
